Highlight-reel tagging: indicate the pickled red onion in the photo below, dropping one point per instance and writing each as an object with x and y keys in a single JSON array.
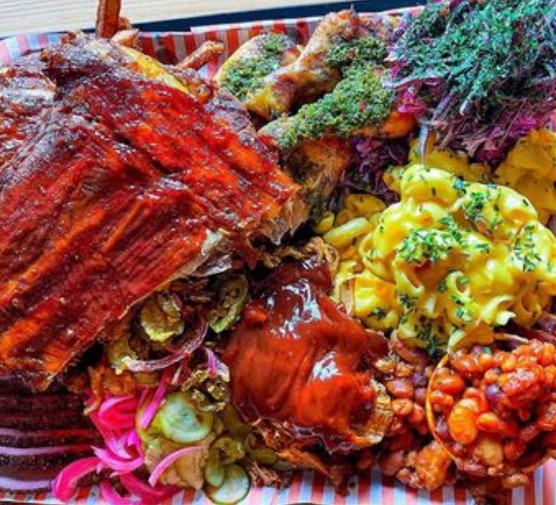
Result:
[
  {"x": 118, "y": 411},
  {"x": 146, "y": 492},
  {"x": 216, "y": 367},
  {"x": 136, "y": 365},
  {"x": 169, "y": 461},
  {"x": 117, "y": 464},
  {"x": 65, "y": 483},
  {"x": 115, "y": 418},
  {"x": 157, "y": 399}
]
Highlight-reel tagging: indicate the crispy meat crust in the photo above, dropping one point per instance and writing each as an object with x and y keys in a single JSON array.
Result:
[{"x": 127, "y": 185}]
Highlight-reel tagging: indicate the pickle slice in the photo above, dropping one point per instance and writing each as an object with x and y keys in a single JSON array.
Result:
[
  {"x": 179, "y": 421},
  {"x": 233, "y": 489}
]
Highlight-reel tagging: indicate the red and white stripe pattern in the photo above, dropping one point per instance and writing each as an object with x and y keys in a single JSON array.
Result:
[
  {"x": 307, "y": 486},
  {"x": 175, "y": 46}
]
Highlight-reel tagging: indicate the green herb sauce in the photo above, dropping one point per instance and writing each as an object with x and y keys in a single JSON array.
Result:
[
  {"x": 357, "y": 101},
  {"x": 246, "y": 74}
]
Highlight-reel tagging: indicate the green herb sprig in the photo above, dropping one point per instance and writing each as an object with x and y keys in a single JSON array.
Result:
[{"x": 484, "y": 71}]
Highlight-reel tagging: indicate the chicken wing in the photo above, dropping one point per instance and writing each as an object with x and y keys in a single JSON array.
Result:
[{"x": 310, "y": 75}]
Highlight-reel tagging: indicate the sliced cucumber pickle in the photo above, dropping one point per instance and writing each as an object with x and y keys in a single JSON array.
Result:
[
  {"x": 233, "y": 422},
  {"x": 214, "y": 471},
  {"x": 233, "y": 489},
  {"x": 179, "y": 421},
  {"x": 264, "y": 456},
  {"x": 259, "y": 453},
  {"x": 228, "y": 449}
]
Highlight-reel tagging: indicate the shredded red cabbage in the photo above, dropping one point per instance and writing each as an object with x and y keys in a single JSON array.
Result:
[
  {"x": 373, "y": 157},
  {"x": 480, "y": 74}
]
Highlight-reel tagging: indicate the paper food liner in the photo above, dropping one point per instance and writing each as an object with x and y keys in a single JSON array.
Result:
[{"x": 307, "y": 487}]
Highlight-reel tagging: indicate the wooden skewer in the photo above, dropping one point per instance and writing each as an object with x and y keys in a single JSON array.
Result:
[
  {"x": 124, "y": 23},
  {"x": 207, "y": 52},
  {"x": 108, "y": 18}
]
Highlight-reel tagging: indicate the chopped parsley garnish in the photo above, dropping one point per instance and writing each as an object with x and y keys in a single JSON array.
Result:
[
  {"x": 459, "y": 185},
  {"x": 358, "y": 100},
  {"x": 430, "y": 337},
  {"x": 482, "y": 210},
  {"x": 359, "y": 51},
  {"x": 457, "y": 300},
  {"x": 244, "y": 75},
  {"x": 483, "y": 247},
  {"x": 378, "y": 313},
  {"x": 485, "y": 69},
  {"x": 474, "y": 207},
  {"x": 524, "y": 249},
  {"x": 530, "y": 260},
  {"x": 406, "y": 300},
  {"x": 429, "y": 244},
  {"x": 442, "y": 287}
]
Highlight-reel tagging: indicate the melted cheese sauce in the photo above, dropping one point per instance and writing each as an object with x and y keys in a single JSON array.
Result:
[{"x": 447, "y": 261}]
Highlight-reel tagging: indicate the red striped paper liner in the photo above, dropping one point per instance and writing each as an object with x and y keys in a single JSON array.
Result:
[
  {"x": 175, "y": 46},
  {"x": 307, "y": 487}
]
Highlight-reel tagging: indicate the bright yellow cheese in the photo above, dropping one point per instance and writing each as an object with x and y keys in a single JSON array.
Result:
[
  {"x": 451, "y": 257},
  {"x": 530, "y": 168}
]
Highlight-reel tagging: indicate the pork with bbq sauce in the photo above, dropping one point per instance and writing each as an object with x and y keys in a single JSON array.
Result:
[
  {"x": 124, "y": 181},
  {"x": 302, "y": 371}
]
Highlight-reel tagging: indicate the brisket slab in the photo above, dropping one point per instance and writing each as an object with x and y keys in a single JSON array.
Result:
[
  {"x": 39, "y": 434},
  {"x": 25, "y": 93}
]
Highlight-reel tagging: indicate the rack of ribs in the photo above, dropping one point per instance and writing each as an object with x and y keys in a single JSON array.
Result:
[{"x": 114, "y": 184}]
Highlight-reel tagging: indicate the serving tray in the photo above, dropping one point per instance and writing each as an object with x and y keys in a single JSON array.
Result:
[{"x": 172, "y": 41}]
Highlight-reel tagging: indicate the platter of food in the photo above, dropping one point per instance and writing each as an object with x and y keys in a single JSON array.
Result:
[{"x": 306, "y": 260}]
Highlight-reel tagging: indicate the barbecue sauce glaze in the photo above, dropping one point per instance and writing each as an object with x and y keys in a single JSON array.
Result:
[{"x": 297, "y": 359}]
